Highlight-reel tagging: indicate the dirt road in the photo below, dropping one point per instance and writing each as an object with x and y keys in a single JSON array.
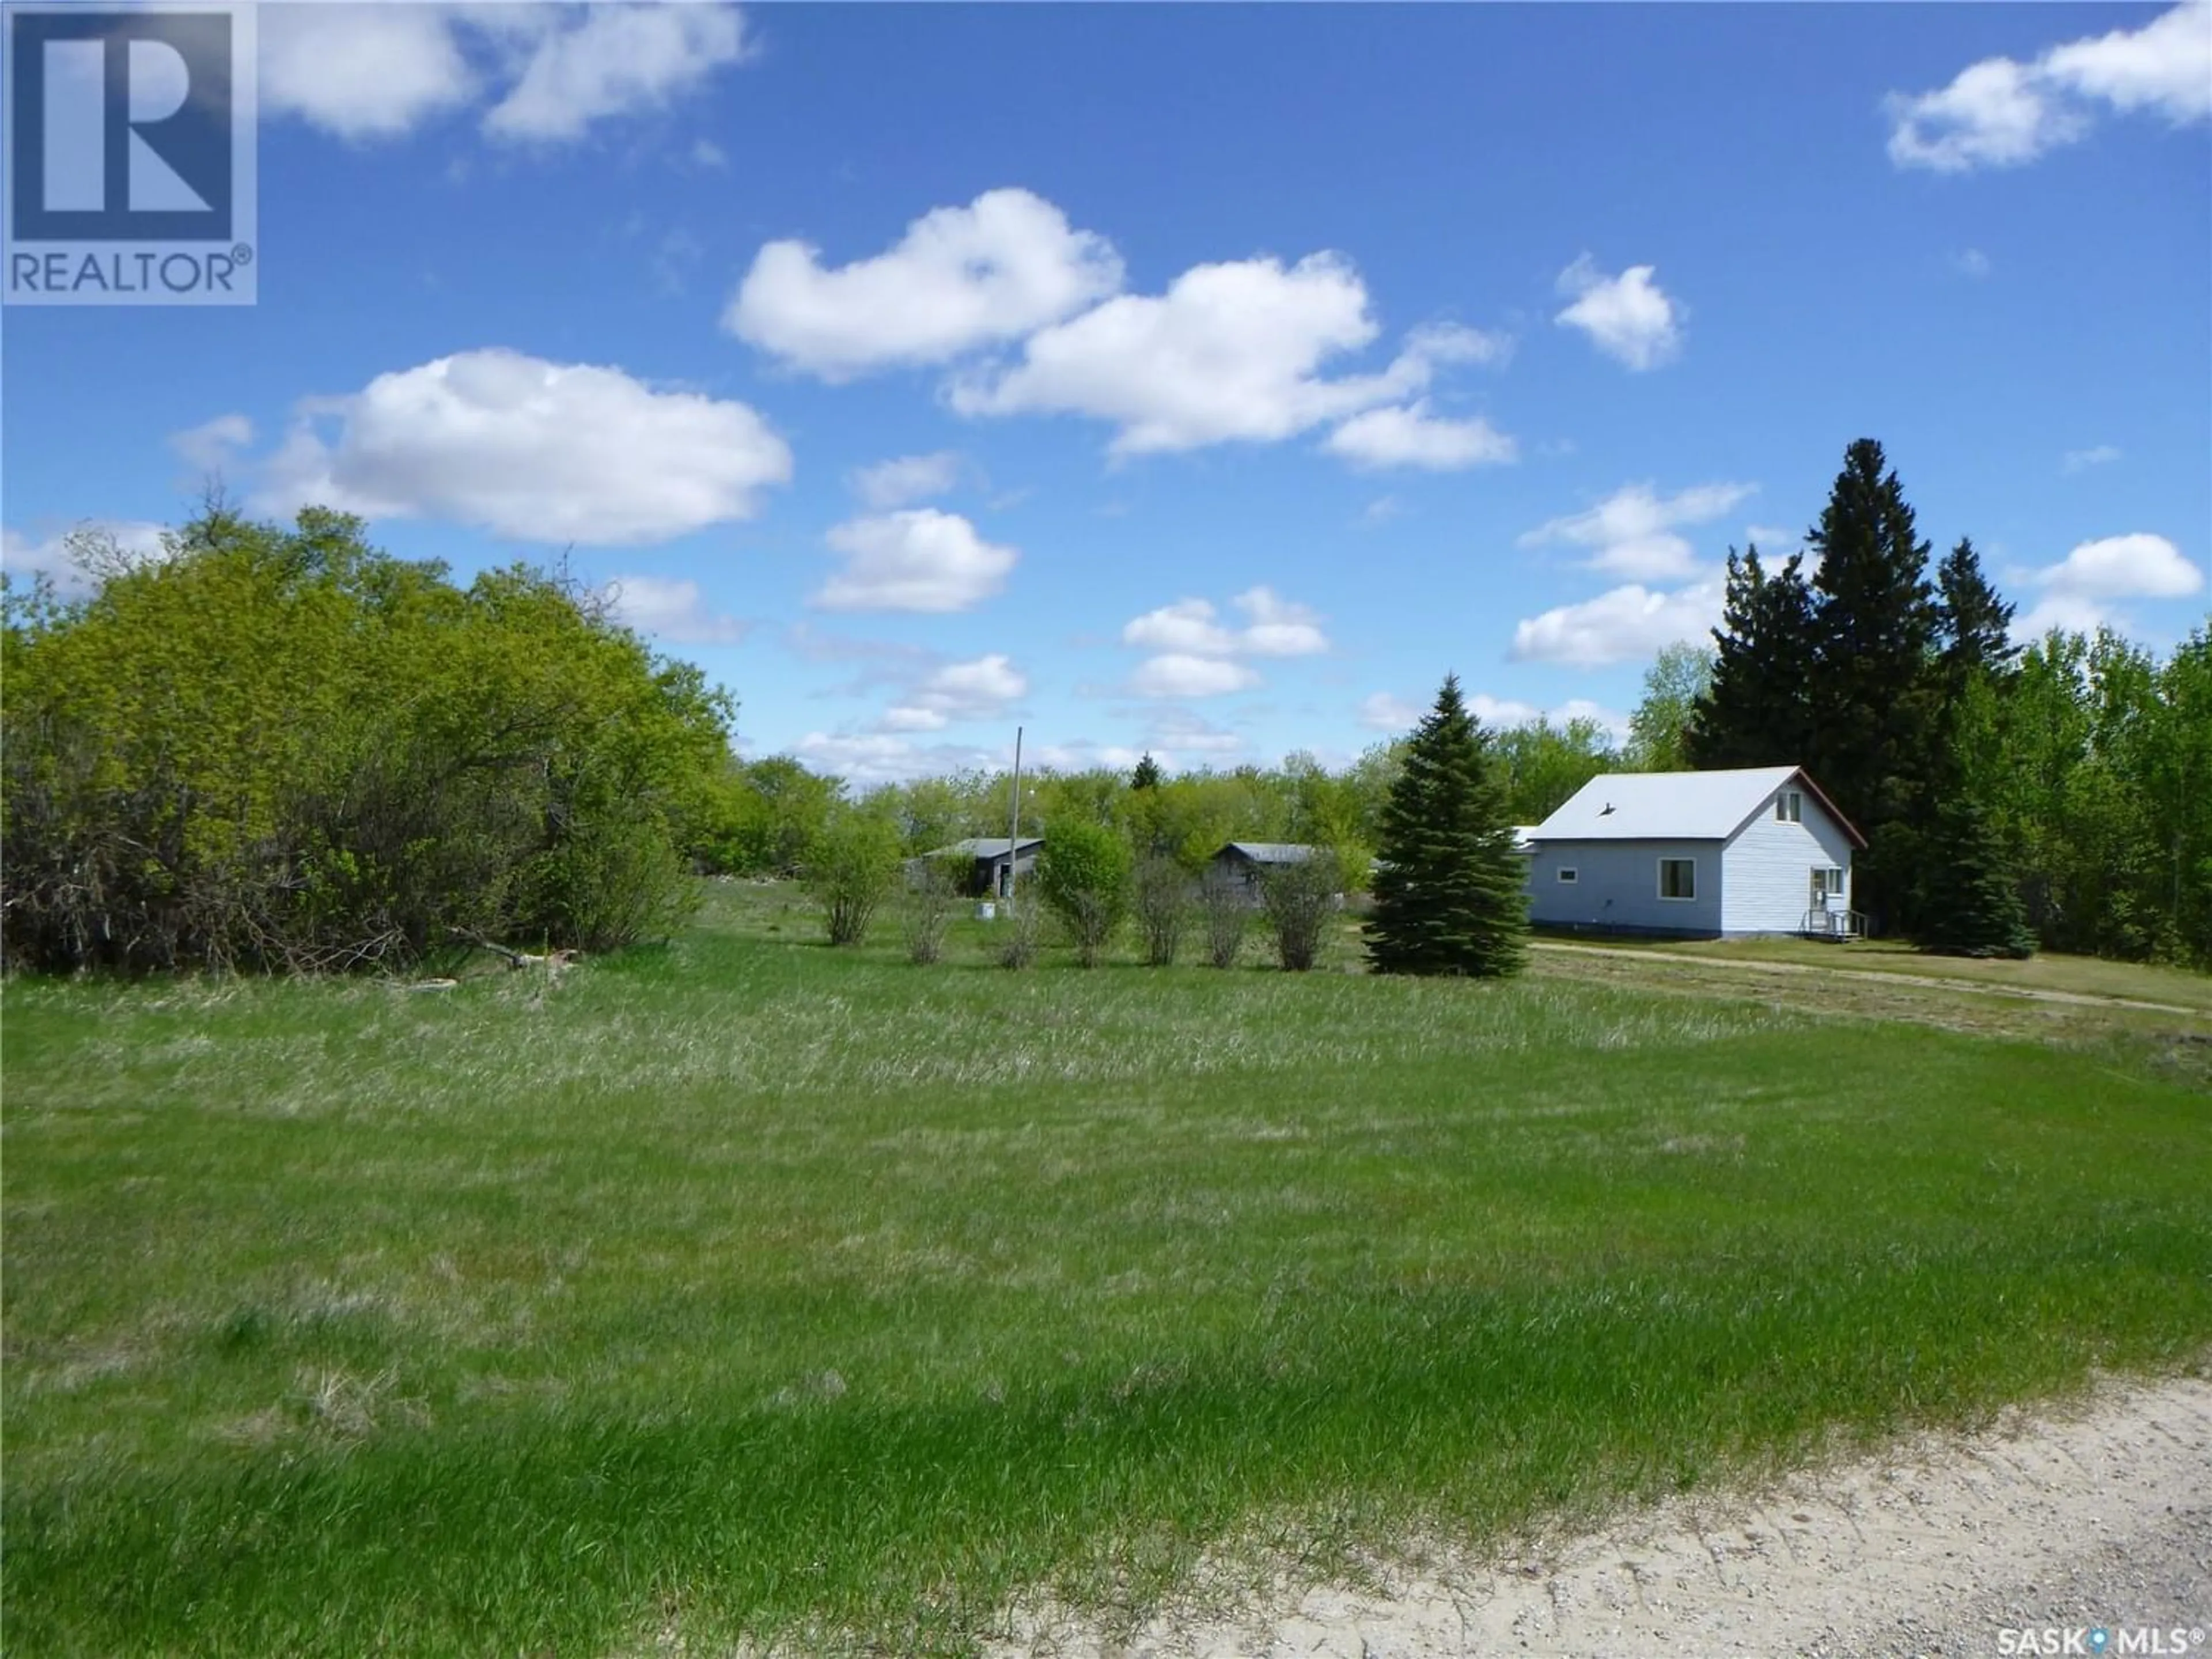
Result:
[
  {"x": 2052, "y": 1529},
  {"x": 1877, "y": 976}
]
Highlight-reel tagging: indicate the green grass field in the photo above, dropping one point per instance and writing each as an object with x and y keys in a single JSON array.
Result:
[{"x": 748, "y": 1285}]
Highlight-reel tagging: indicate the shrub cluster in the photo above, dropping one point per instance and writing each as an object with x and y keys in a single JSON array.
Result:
[{"x": 278, "y": 749}]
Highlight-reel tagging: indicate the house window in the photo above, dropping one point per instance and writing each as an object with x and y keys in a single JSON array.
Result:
[
  {"x": 1567, "y": 872},
  {"x": 1678, "y": 879},
  {"x": 1790, "y": 807}
]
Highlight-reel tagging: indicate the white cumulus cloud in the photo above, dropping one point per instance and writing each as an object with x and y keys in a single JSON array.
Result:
[
  {"x": 1383, "y": 711},
  {"x": 906, "y": 479},
  {"x": 1189, "y": 625},
  {"x": 364, "y": 72},
  {"x": 867, "y": 759},
  {"x": 918, "y": 559},
  {"x": 1180, "y": 674},
  {"x": 961, "y": 277},
  {"x": 126, "y": 541},
  {"x": 615, "y": 60},
  {"x": 1274, "y": 627},
  {"x": 1632, "y": 531},
  {"x": 1410, "y": 435},
  {"x": 1630, "y": 318},
  {"x": 958, "y": 691},
  {"x": 213, "y": 445},
  {"x": 2136, "y": 567},
  {"x": 672, "y": 608},
  {"x": 1622, "y": 624},
  {"x": 535, "y": 450},
  {"x": 2002, "y": 113},
  {"x": 1231, "y": 352}
]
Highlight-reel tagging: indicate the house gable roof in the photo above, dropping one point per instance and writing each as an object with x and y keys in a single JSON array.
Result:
[{"x": 1679, "y": 806}]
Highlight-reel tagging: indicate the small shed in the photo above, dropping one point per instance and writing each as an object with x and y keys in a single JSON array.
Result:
[
  {"x": 1249, "y": 862},
  {"x": 1733, "y": 853},
  {"x": 992, "y": 862}
]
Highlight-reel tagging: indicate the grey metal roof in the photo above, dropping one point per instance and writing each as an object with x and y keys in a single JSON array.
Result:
[
  {"x": 1270, "y": 851},
  {"x": 1667, "y": 805},
  {"x": 983, "y": 847}
]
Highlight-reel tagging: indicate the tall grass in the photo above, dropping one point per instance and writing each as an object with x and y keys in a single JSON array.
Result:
[{"x": 753, "y": 1286}]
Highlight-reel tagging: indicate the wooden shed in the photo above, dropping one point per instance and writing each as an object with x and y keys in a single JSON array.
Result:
[{"x": 991, "y": 862}]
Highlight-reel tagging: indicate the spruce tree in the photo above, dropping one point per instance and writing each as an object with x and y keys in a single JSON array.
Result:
[
  {"x": 1874, "y": 740},
  {"x": 1147, "y": 775},
  {"x": 1451, "y": 893},
  {"x": 1756, "y": 710},
  {"x": 1973, "y": 621},
  {"x": 1970, "y": 900}
]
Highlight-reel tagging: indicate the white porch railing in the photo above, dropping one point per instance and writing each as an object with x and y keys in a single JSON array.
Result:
[{"x": 1834, "y": 924}]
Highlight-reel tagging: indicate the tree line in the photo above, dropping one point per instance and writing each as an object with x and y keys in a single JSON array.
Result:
[
  {"x": 278, "y": 747},
  {"x": 2058, "y": 794}
]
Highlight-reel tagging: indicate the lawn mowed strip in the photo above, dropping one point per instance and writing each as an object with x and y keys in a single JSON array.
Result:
[{"x": 748, "y": 1285}]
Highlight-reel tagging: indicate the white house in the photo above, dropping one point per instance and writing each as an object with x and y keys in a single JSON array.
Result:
[{"x": 1696, "y": 854}]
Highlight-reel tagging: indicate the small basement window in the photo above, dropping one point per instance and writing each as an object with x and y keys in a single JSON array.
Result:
[
  {"x": 1678, "y": 879},
  {"x": 1567, "y": 872},
  {"x": 1790, "y": 807}
]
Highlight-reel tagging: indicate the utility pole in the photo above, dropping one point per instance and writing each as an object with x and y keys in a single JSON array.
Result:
[{"x": 1014, "y": 822}]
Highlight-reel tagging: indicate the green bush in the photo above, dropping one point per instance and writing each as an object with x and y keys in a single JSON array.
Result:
[
  {"x": 850, "y": 870},
  {"x": 932, "y": 894},
  {"x": 1297, "y": 901},
  {"x": 278, "y": 749},
  {"x": 1083, "y": 874},
  {"x": 1163, "y": 894}
]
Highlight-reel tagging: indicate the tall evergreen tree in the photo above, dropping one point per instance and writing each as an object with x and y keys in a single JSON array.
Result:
[
  {"x": 1147, "y": 775},
  {"x": 1974, "y": 675},
  {"x": 1451, "y": 894},
  {"x": 1756, "y": 710},
  {"x": 1970, "y": 904},
  {"x": 1876, "y": 697},
  {"x": 1973, "y": 621}
]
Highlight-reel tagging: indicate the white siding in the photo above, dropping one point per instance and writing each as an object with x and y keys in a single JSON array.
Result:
[
  {"x": 1616, "y": 886},
  {"x": 1770, "y": 866}
]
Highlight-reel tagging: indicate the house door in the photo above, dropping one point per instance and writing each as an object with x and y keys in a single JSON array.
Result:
[{"x": 1820, "y": 889}]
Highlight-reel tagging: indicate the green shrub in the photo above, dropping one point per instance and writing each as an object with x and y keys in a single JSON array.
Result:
[
  {"x": 1297, "y": 901},
  {"x": 933, "y": 894},
  {"x": 278, "y": 749},
  {"x": 1226, "y": 900},
  {"x": 1083, "y": 874},
  {"x": 1162, "y": 892},
  {"x": 850, "y": 869}
]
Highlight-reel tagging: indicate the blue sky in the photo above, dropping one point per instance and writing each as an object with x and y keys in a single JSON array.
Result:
[{"x": 1204, "y": 378}]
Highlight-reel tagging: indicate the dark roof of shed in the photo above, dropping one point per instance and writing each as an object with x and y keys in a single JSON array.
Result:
[
  {"x": 1270, "y": 851},
  {"x": 983, "y": 847}
]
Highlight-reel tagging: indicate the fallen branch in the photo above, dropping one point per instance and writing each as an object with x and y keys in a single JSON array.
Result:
[{"x": 551, "y": 961}]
